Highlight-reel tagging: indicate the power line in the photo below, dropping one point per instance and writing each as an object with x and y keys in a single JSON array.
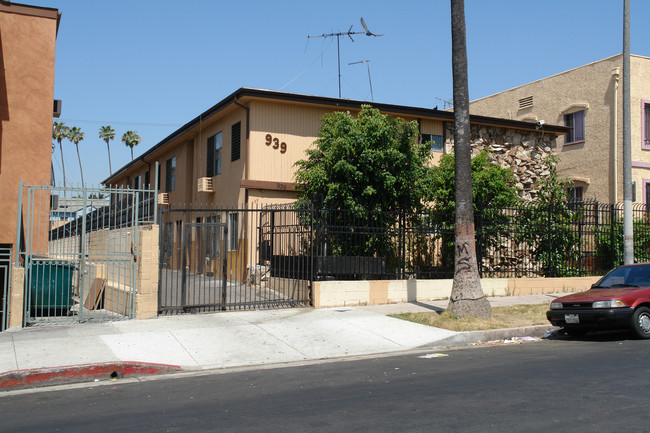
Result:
[{"x": 113, "y": 122}]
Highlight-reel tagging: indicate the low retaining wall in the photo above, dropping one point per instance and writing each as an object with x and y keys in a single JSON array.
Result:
[{"x": 347, "y": 293}]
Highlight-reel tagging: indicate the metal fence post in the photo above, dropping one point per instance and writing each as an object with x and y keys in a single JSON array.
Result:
[
  {"x": 19, "y": 225},
  {"x": 549, "y": 252},
  {"x": 612, "y": 237},
  {"x": 479, "y": 238}
]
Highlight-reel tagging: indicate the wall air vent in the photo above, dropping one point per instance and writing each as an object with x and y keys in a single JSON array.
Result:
[
  {"x": 526, "y": 102},
  {"x": 163, "y": 198},
  {"x": 204, "y": 184}
]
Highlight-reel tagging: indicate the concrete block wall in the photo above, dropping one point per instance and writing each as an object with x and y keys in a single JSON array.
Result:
[
  {"x": 17, "y": 297},
  {"x": 146, "y": 297},
  {"x": 349, "y": 293}
]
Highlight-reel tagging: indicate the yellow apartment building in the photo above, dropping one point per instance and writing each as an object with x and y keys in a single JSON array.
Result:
[
  {"x": 588, "y": 99},
  {"x": 241, "y": 154}
]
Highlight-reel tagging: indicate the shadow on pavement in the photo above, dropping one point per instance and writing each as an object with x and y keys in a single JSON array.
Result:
[
  {"x": 596, "y": 336},
  {"x": 427, "y": 306}
]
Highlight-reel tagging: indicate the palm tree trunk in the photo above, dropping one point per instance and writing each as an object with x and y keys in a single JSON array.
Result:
[
  {"x": 80, "y": 167},
  {"x": 110, "y": 169},
  {"x": 467, "y": 298},
  {"x": 62, "y": 162},
  {"x": 131, "y": 153}
]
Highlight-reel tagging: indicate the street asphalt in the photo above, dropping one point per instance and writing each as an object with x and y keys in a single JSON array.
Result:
[{"x": 56, "y": 354}]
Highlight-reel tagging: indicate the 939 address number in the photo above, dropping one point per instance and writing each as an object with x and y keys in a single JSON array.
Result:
[{"x": 275, "y": 143}]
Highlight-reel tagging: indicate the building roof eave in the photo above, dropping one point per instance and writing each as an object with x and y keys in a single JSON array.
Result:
[{"x": 253, "y": 93}]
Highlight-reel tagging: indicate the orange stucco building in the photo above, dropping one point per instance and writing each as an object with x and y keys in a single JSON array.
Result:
[{"x": 27, "y": 49}]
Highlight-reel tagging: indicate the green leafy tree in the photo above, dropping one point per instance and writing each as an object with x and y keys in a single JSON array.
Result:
[
  {"x": 369, "y": 169},
  {"x": 131, "y": 139},
  {"x": 548, "y": 227},
  {"x": 609, "y": 241},
  {"x": 59, "y": 132},
  {"x": 107, "y": 134},
  {"x": 493, "y": 190},
  {"x": 75, "y": 135}
]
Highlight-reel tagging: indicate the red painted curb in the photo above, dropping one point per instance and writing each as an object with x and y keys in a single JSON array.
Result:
[{"x": 80, "y": 373}]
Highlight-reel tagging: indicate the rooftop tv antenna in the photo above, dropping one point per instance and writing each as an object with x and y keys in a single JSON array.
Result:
[
  {"x": 445, "y": 103},
  {"x": 367, "y": 62},
  {"x": 349, "y": 33}
]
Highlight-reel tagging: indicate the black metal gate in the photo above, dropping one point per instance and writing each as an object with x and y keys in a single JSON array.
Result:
[{"x": 219, "y": 259}]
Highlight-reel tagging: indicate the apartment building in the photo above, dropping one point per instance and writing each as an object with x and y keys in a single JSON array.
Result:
[{"x": 589, "y": 100}]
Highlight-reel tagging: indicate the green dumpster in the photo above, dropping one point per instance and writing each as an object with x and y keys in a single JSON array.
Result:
[{"x": 50, "y": 286}]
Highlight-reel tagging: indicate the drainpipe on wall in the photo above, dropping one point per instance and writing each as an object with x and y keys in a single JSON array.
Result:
[
  {"x": 246, "y": 163},
  {"x": 615, "y": 75}
]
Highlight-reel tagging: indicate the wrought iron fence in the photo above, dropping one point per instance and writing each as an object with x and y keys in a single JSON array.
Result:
[
  {"x": 221, "y": 258},
  {"x": 579, "y": 238}
]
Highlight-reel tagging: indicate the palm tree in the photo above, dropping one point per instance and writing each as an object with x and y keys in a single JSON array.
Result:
[
  {"x": 107, "y": 134},
  {"x": 467, "y": 298},
  {"x": 59, "y": 132},
  {"x": 131, "y": 139},
  {"x": 75, "y": 135}
]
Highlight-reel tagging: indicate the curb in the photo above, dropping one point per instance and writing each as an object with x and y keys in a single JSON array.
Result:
[
  {"x": 31, "y": 378},
  {"x": 48, "y": 376},
  {"x": 467, "y": 338}
]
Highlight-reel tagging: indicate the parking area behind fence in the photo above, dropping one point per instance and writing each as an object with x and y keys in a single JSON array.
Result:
[{"x": 232, "y": 259}]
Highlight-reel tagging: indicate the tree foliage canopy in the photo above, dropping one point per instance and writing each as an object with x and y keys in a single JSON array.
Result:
[
  {"x": 369, "y": 162},
  {"x": 492, "y": 185},
  {"x": 493, "y": 190}
]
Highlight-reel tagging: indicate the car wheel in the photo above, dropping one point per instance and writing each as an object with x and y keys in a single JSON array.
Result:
[{"x": 641, "y": 322}]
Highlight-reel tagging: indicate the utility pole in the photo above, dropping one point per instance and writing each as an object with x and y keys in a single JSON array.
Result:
[{"x": 628, "y": 226}]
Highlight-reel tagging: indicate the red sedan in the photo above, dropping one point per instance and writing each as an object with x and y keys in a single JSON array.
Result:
[{"x": 621, "y": 299}]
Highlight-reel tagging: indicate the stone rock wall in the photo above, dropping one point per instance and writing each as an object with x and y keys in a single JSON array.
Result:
[{"x": 520, "y": 151}]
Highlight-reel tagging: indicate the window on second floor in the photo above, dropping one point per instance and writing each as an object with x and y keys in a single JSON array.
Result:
[
  {"x": 576, "y": 121},
  {"x": 646, "y": 125},
  {"x": 170, "y": 174},
  {"x": 436, "y": 141},
  {"x": 214, "y": 155}
]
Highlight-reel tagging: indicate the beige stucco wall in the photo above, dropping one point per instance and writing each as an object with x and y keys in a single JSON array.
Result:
[
  {"x": 266, "y": 172},
  {"x": 597, "y": 163},
  {"x": 640, "y": 91},
  {"x": 27, "y": 48},
  {"x": 347, "y": 293}
]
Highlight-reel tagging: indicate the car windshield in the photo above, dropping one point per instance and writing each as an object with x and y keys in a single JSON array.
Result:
[{"x": 625, "y": 276}]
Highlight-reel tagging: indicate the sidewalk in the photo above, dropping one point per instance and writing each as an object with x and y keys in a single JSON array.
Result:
[{"x": 81, "y": 352}]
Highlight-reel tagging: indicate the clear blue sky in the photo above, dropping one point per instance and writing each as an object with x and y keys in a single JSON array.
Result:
[{"x": 153, "y": 66}]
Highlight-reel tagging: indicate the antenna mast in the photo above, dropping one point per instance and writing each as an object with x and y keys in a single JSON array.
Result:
[
  {"x": 367, "y": 62},
  {"x": 349, "y": 33}
]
